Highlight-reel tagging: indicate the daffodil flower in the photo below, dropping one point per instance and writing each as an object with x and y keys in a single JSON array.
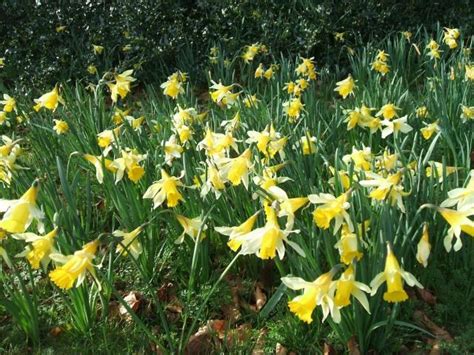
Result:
[
  {"x": 331, "y": 208},
  {"x": 236, "y": 170},
  {"x": 459, "y": 222},
  {"x": 50, "y": 100},
  {"x": 9, "y": 103},
  {"x": 191, "y": 228},
  {"x": 360, "y": 158},
  {"x": 463, "y": 197},
  {"x": 424, "y": 247},
  {"x": 348, "y": 246},
  {"x": 345, "y": 87},
  {"x": 393, "y": 275},
  {"x": 428, "y": 131},
  {"x": 99, "y": 162},
  {"x": 386, "y": 187},
  {"x": 20, "y": 213},
  {"x": 396, "y": 126},
  {"x": 129, "y": 243},
  {"x": 320, "y": 292},
  {"x": 347, "y": 286},
  {"x": 39, "y": 248},
  {"x": 172, "y": 150},
  {"x": 265, "y": 242},
  {"x": 74, "y": 267},
  {"x": 121, "y": 86},
  {"x": 388, "y": 111},
  {"x": 234, "y": 232},
  {"x": 166, "y": 189}
]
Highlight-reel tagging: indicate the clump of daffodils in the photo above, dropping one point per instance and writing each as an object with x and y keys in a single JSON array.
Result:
[
  {"x": 173, "y": 87},
  {"x": 120, "y": 86},
  {"x": 380, "y": 64}
]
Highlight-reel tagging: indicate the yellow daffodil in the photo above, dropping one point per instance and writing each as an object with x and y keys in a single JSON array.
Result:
[
  {"x": 293, "y": 108},
  {"x": 348, "y": 246},
  {"x": 39, "y": 247},
  {"x": 121, "y": 86},
  {"x": 467, "y": 113},
  {"x": 49, "y": 100},
  {"x": 97, "y": 49},
  {"x": 19, "y": 214},
  {"x": 388, "y": 111},
  {"x": 234, "y": 232},
  {"x": 347, "y": 286},
  {"x": 407, "y": 35},
  {"x": 265, "y": 242},
  {"x": 469, "y": 75},
  {"x": 393, "y": 275},
  {"x": 236, "y": 170},
  {"x": 129, "y": 243},
  {"x": 360, "y": 158},
  {"x": 396, "y": 126},
  {"x": 269, "y": 142},
  {"x": 250, "y": 52},
  {"x": 306, "y": 68},
  {"x": 191, "y": 227},
  {"x": 107, "y": 137},
  {"x": 438, "y": 170},
  {"x": 331, "y": 208},
  {"x": 129, "y": 162},
  {"x": 92, "y": 69},
  {"x": 260, "y": 71},
  {"x": 74, "y": 267},
  {"x": 173, "y": 87},
  {"x": 217, "y": 145},
  {"x": 172, "y": 150},
  {"x": 450, "y": 35},
  {"x": 222, "y": 95},
  {"x": 251, "y": 101},
  {"x": 345, "y": 87},
  {"x": 9, "y": 103},
  {"x": 386, "y": 188},
  {"x": 424, "y": 247},
  {"x": 463, "y": 197},
  {"x": 434, "y": 52},
  {"x": 60, "y": 127},
  {"x": 308, "y": 144},
  {"x": 459, "y": 222},
  {"x": 380, "y": 66},
  {"x": 428, "y": 131},
  {"x": 422, "y": 112},
  {"x": 320, "y": 292},
  {"x": 97, "y": 162},
  {"x": 166, "y": 189},
  {"x": 212, "y": 181}
]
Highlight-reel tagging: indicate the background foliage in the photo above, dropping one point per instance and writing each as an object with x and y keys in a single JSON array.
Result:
[{"x": 157, "y": 33}]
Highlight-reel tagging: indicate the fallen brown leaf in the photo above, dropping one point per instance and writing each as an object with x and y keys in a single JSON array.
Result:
[
  {"x": 352, "y": 346},
  {"x": 56, "y": 331},
  {"x": 200, "y": 342},
  {"x": 328, "y": 349},
  {"x": 280, "y": 350},
  {"x": 260, "y": 343},
  {"x": 426, "y": 296},
  {"x": 133, "y": 300},
  {"x": 239, "y": 335},
  {"x": 438, "y": 332},
  {"x": 260, "y": 297}
]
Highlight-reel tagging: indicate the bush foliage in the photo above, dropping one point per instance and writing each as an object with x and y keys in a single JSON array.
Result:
[{"x": 38, "y": 50}]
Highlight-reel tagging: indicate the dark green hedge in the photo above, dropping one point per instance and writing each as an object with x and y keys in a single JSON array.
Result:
[{"x": 179, "y": 33}]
